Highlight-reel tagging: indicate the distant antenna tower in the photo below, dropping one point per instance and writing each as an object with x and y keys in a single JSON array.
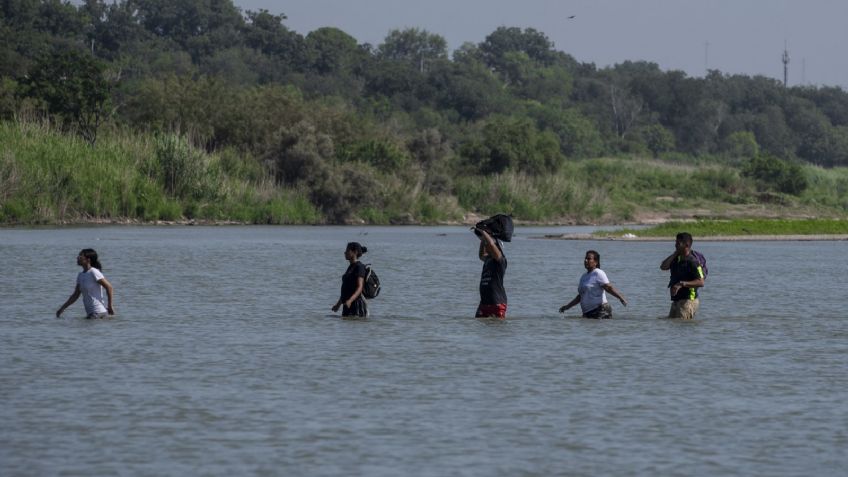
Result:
[
  {"x": 785, "y": 65},
  {"x": 706, "y": 57}
]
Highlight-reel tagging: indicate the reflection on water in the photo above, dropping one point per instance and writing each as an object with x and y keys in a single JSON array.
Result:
[{"x": 225, "y": 358}]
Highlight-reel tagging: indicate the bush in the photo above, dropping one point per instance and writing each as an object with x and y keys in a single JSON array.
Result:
[
  {"x": 516, "y": 144},
  {"x": 8, "y": 101},
  {"x": 776, "y": 174},
  {"x": 529, "y": 197},
  {"x": 578, "y": 136},
  {"x": 741, "y": 144},
  {"x": 183, "y": 170},
  {"x": 381, "y": 154},
  {"x": 16, "y": 211},
  {"x": 657, "y": 139}
]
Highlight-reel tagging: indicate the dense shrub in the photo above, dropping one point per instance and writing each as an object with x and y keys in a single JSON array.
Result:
[
  {"x": 776, "y": 174},
  {"x": 184, "y": 171}
]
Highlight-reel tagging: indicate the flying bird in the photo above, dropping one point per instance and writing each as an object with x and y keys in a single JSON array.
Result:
[{"x": 572, "y": 16}]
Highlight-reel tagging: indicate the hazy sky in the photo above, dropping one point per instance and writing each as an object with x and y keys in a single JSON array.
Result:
[{"x": 734, "y": 36}]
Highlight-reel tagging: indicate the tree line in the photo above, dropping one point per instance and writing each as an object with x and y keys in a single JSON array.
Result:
[{"x": 342, "y": 119}]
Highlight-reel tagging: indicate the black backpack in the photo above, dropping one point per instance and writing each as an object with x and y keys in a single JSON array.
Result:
[
  {"x": 372, "y": 283},
  {"x": 499, "y": 226}
]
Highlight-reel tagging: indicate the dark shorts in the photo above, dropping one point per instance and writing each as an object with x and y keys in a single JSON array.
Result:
[
  {"x": 602, "y": 312},
  {"x": 491, "y": 311},
  {"x": 357, "y": 308}
]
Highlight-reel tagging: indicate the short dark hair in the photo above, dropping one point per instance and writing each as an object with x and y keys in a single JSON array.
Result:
[{"x": 685, "y": 237}]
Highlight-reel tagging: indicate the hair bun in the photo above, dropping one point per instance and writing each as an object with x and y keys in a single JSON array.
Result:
[{"x": 364, "y": 249}]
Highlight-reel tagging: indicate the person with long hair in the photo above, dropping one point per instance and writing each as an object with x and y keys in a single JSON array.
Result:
[
  {"x": 353, "y": 282},
  {"x": 592, "y": 290},
  {"x": 90, "y": 284}
]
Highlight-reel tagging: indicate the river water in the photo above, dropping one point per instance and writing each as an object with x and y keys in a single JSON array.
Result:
[{"x": 225, "y": 359}]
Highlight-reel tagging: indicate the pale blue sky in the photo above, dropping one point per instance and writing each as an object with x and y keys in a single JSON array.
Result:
[{"x": 744, "y": 36}]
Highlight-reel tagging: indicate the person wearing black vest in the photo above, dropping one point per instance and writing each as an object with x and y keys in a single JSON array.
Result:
[
  {"x": 686, "y": 277},
  {"x": 492, "y": 292}
]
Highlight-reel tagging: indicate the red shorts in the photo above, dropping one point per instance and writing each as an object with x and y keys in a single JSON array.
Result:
[{"x": 491, "y": 311}]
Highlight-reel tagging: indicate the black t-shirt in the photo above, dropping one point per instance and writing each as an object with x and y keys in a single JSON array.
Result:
[
  {"x": 685, "y": 269},
  {"x": 349, "y": 284},
  {"x": 491, "y": 282}
]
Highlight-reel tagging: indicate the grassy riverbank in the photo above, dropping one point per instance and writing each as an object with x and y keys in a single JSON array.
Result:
[
  {"x": 739, "y": 227},
  {"x": 47, "y": 177}
]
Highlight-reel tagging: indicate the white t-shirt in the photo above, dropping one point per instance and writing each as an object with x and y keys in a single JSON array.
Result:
[
  {"x": 592, "y": 294},
  {"x": 92, "y": 292}
]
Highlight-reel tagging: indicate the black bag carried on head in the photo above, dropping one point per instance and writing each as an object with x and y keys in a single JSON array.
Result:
[
  {"x": 499, "y": 227},
  {"x": 372, "y": 283}
]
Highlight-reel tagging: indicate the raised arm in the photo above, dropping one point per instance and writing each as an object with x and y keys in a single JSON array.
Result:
[
  {"x": 666, "y": 264},
  {"x": 488, "y": 243}
]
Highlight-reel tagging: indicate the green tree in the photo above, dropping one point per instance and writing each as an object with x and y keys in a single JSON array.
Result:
[
  {"x": 332, "y": 51},
  {"x": 578, "y": 136},
  {"x": 832, "y": 101},
  {"x": 528, "y": 79},
  {"x": 773, "y": 133},
  {"x": 839, "y": 146},
  {"x": 812, "y": 129},
  {"x": 198, "y": 26},
  {"x": 73, "y": 88},
  {"x": 741, "y": 144},
  {"x": 236, "y": 66},
  {"x": 266, "y": 33},
  {"x": 529, "y": 41},
  {"x": 626, "y": 109},
  {"x": 383, "y": 155},
  {"x": 8, "y": 100},
  {"x": 432, "y": 151},
  {"x": 657, "y": 139},
  {"x": 415, "y": 47},
  {"x": 470, "y": 89},
  {"x": 515, "y": 143},
  {"x": 550, "y": 84},
  {"x": 396, "y": 80},
  {"x": 56, "y": 17},
  {"x": 112, "y": 30},
  {"x": 31, "y": 28}
]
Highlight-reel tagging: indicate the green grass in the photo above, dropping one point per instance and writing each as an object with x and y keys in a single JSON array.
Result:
[
  {"x": 531, "y": 198},
  {"x": 741, "y": 227},
  {"x": 605, "y": 190},
  {"x": 49, "y": 177}
]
